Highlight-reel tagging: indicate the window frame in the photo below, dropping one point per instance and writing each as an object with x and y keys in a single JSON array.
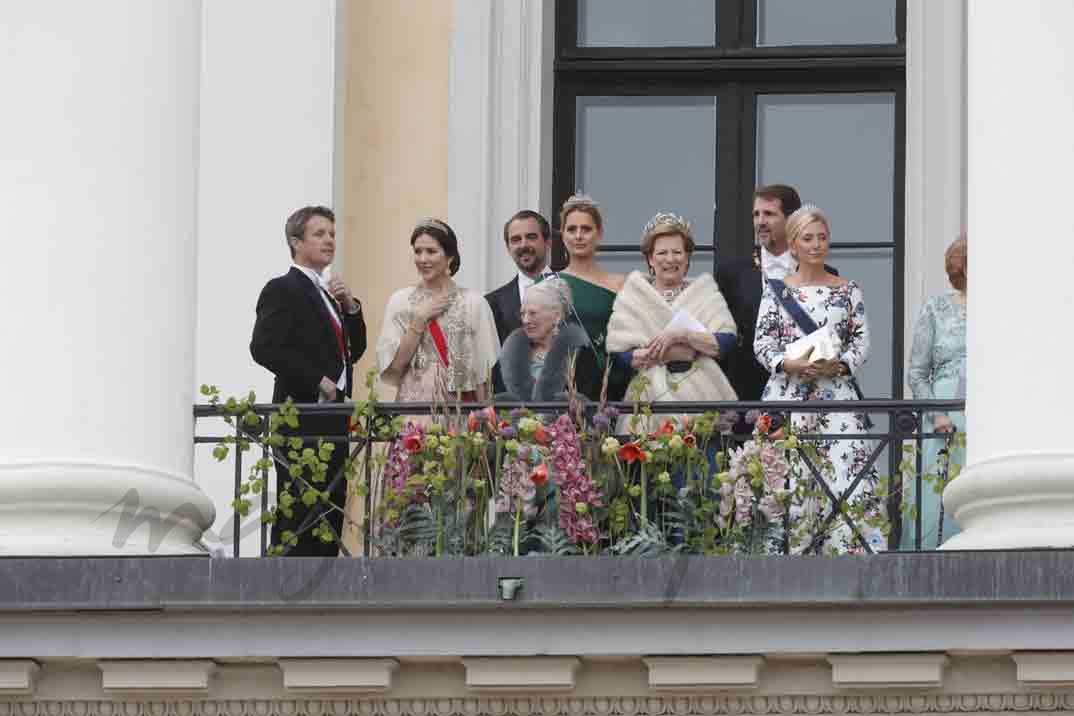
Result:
[{"x": 736, "y": 72}]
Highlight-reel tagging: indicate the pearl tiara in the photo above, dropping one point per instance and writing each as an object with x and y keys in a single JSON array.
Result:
[{"x": 580, "y": 198}]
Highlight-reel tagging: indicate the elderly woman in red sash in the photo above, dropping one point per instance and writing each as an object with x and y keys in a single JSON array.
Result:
[{"x": 438, "y": 340}]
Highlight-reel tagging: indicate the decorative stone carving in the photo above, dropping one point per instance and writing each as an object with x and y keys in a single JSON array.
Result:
[
  {"x": 17, "y": 676},
  {"x": 338, "y": 674},
  {"x": 695, "y": 705},
  {"x": 885, "y": 671},
  {"x": 521, "y": 673},
  {"x": 703, "y": 672},
  {"x": 141, "y": 675}
]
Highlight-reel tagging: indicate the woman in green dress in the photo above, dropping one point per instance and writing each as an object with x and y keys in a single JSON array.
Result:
[{"x": 593, "y": 288}]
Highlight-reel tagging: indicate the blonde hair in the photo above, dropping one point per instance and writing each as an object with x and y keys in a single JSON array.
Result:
[
  {"x": 803, "y": 217},
  {"x": 585, "y": 204},
  {"x": 954, "y": 262}
]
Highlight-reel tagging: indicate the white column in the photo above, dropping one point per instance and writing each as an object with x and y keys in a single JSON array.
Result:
[
  {"x": 499, "y": 133},
  {"x": 98, "y": 179},
  {"x": 935, "y": 134},
  {"x": 1018, "y": 490}
]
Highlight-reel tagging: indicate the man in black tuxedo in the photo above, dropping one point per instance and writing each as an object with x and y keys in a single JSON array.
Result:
[
  {"x": 309, "y": 332},
  {"x": 741, "y": 282},
  {"x": 527, "y": 236}
]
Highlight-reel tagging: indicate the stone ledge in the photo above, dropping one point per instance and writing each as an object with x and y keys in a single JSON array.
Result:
[
  {"x": 145, "y": 675},
  {"x": 885, "y": 671},
  {"x": 17, "y": 676},
  {"x": 193, "y": 583},
  {"x": 692, "y": 673},
  {"x": 1044, "y": 668},
  {"x": 525, "y": 673},
  {"x": 338, "y": 675}
]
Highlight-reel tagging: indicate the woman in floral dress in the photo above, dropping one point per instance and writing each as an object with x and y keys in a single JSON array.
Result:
[{"x": 837, "y": 305}]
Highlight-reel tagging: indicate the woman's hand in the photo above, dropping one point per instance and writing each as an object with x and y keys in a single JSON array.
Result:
[
  {"x": 659, "y": 345},
  {"x": 828, "y": 368},
  {"x": 433, "y": 307},
  {"x": 942, "y": 424},
  {"x": 800, "y": 367}
]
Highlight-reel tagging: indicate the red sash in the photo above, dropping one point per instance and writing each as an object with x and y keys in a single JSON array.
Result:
[{"x": 439, "y": 340}]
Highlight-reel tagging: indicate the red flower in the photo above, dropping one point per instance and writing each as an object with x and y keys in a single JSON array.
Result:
[
  {"x": 763, "y": 424},
  {"x": 539, "y": 476},
  {"x": 631, "y": 453},
  {"x": 472, "y": 423},
  {"x": 412, "y": 444},
  {"x": 690, "y": 440},
  {"x": 668, "y": 428},
  {"x": 541, "y": 435}
]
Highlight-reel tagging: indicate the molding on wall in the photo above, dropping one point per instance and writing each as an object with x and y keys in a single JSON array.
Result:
[
  {"x": 144, "y": 675},
  {"x": 17, "y": 676},
  {"x": 698, "y": 705},
  {"x": 525, "y": 673},
  {"x": 704, "y": 672},
  {"x": 1044, "y": 668},
  {"x": 885, "y": 671},
  {"x": 334, "y": 675}
]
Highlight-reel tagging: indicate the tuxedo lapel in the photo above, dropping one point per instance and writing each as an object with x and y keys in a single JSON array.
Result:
[
  {"x": 316, "y": 304},
  {"x": 512, "y": 304}
]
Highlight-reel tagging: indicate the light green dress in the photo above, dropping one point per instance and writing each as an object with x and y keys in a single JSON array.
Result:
[{"x": 937, "y": 370}]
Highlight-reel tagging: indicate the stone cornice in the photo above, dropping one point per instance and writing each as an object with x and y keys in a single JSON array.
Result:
[{"x": 548, "y": 705}]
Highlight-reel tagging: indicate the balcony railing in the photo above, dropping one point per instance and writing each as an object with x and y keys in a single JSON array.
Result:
[{"x": 865, "y": 498}]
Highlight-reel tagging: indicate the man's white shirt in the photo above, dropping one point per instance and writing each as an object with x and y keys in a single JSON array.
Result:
[
  {"x": 525, "y": 282},
  {"x": 777, "y": 267}
]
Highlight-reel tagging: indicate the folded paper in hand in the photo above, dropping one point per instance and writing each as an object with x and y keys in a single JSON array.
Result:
[
  {"x": 684, "y": 321},
  {"x": 823, "y": 341}
]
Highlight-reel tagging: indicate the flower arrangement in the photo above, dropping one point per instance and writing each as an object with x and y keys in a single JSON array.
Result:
[{"x": 522, "y": 483}]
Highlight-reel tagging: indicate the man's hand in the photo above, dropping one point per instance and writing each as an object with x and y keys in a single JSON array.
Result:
[
  {"x": 341, "y": 293},
  {"x": 328, "y": 390}
]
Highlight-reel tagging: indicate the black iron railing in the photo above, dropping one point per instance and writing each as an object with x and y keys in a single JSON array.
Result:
[{"x": 899, "y": 430}]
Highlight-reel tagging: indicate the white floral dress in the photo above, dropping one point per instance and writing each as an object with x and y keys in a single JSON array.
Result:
[{"x": 843, "y": 307}]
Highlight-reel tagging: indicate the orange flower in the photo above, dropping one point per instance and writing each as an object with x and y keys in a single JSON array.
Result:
[
  {"x": 631, "y": 453},
  {"x": 472, "y": 423},
  {"x": 539, "y": 476},
  {"x": 541, "y": 435},
  {"x": 763, "y": 424},
  {"x": 690, "y": 440},
  {"x": 668, "y": 428},
  {"x": 412, "y": 444}
]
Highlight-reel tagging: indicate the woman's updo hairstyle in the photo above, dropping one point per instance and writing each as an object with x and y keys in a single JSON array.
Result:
[
  {"x": 954, "y": 263},
  {"x": 583, "y": 203},
  {"x": 444, "y": 235},
  {"x": 554, "y": 293}
]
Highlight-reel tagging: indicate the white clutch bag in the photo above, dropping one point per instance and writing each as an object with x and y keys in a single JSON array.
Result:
[{"x": 823, "y": 341}]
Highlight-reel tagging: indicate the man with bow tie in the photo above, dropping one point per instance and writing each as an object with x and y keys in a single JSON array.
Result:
[
  {"x": 527, "y": 236},
  {"x": 309, "y": 332},
  {"x": 741, "y": 282}
]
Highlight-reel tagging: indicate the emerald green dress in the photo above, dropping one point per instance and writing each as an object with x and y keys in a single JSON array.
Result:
[{"x": 592, "y": 308}]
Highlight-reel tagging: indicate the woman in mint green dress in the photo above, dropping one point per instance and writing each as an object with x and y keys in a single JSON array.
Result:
[
  {"x": 593, "y": 288},
  {"x": 937, "y": 371}
]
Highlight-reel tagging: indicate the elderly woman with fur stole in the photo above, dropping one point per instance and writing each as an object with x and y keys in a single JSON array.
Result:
[
  {"x": 669, "y": 328},
  {"x": 540, "y": 359}
]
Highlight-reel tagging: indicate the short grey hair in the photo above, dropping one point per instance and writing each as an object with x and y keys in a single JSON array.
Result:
[{"x": 552, "y": 293}]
